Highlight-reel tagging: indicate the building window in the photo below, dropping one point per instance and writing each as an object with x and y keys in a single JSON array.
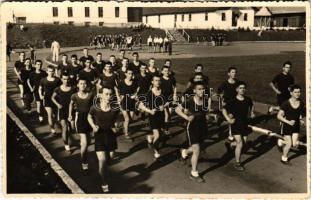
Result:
[
  {"x": 245, "y": 16},
  {"x": 56, "y": 22},
  {"x": 117, "y": 12},
  {"x": 159, "y": 18},
  {"x": 182, "y": 17},
  {"x": 87, "y": 11},
  {"x": 223, "y": 16},
  {"x": 100, "y": 12},
  {"x": 101, "y": 23},
  {"x": 70, "y": 22},
  {"x": 55, "y": 12},
  {"x": 190, "y": 17},
  {"x": 146, "y": 19},
  {"x": 175, "y": 18},
  {"x": 87, "y": 23},
  {"x": 206, "y": 16},
  {"x": 70, "y": 13}
]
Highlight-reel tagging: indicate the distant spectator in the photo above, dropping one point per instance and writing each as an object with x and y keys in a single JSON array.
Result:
[
  {"x": 55, "y": 48},
  {"x": 9, "y": 50},
  {"x": 149, "y": 43},
  {"x": 32, "y": 53},
  {"x": 44, "y": 44},
  {"x": 166, "y": 40}
]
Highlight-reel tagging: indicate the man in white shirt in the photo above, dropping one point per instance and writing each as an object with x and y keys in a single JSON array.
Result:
[{"x": 55, "y": 48}]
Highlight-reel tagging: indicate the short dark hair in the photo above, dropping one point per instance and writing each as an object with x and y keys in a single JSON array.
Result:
[
  {"x": 50, "y": 67},
  {"x": 198, "y": 65},
  {"x": 64, "y": 74},
  {"x": 195, "y": 84},
  {"x": 38, "y": 61},
  {"x": 232, "y": 68},
  {"x": 157, "y": 76},
  {"x": 82, "y": 79},
  {"x": 108, "y": 63},
  {"x": 74, "y": 56},
  {"x": 112, "y": 56},
  {"x": 198, "y": 74},
  {"x": 104, "y": 87},
  {"x": 239, "y": 83},
  {"x": 143, "y": 64},
  {"x": 167, "y": 60},
  {"x": 128, "y": 69},
  {"x": 99, "y": 54},
  {"x": 165, "y": 67},
  {"x": 135, "y": 53},
  {"x": 27, "y": 59},
  {"x": 293, "y": 87},
  {"x": 287, "y": 63},
  {"x": 65, "y": 55}
]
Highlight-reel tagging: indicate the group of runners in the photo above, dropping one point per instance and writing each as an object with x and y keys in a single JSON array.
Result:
[
  {"x": 116, "y": 41},
  {"x": 86, "y": 95}
]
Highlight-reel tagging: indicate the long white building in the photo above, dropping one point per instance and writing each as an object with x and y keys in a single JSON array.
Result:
[
  {"x": 113, "y": 13},
  {"x": 224, "y": 17},
  {"x": 108, "y": 13}
]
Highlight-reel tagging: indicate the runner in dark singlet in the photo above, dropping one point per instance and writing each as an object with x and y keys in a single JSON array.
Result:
[
  {"x": 98, "y": 65},
  {"x": 102, "y": 118},
  {"x": 135, "y": 64},
  {"x": 154, "y": 105},
  {"x": 24, "y": 74},
  {"x": 46, "y": 89},
  {"x": 195, "y": 111},
  {"x": 63, "y": 67},
  {"x": 236, "y": 112},
  {"x": 17, "y": 69},
  {"x": 81, "y": 102},
  {"x": 121, "y": 72},
  {"x": 127, "y": 96},
  {"x": 74, "y": 70},
  {"x": 108, "y": 78},
  {"x": 88, "y": 74},
  {"x": 291, "y": 113},
  {"x": 152, "y": 69},
  {"x": 169, "y": 91},
  {"x": 34, "y": 83},
  {"x": 61, "y": 98},
  {"x": 280, "y": 85}
]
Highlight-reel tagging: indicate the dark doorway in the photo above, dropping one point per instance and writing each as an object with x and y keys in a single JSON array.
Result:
[{"x": 285, "y": 22}]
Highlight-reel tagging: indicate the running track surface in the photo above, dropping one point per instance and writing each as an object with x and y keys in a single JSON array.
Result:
[{"x": 136, "y": 171}]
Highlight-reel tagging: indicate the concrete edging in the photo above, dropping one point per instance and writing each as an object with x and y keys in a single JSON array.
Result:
[{"x": 69, "y": 182}]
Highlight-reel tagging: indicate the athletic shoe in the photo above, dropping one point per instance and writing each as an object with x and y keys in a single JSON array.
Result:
[
  {"x": 105, "y": 188},
  {"x": 286, "y": 162},
  {"x": 239, "y": 167},
  {"x": 53, "y": 131},
  {"x": 85, "y": 168},
  {"x": 40, "y": 119},
  {"x": 156, "y": 155},
  {"x": 67, "y": 147},
  {"x": 230, "y": 138},
  {"x": 270, "y": 110},
  {"x": 183, "y": 153},
  {"x": 198, "y": 179}
]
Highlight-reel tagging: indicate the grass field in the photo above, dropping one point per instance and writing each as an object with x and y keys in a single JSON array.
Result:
[{"x": 256, "y": 71}]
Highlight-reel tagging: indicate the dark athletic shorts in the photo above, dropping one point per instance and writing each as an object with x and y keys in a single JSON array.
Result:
[
  {"x": 128, "y": 104},
  {"x": 196, "y": 131},
  {"x": 105, "y": 140},
  {"x": 62, "y": 114},
  {"x": 81, "y": 123},
  {"x": 156, "y": 121},
  {"x": 240, "y": 128},
  {"x": 286, "y": 129}
]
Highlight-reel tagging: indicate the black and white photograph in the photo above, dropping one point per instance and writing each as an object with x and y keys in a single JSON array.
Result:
[{"x": 156, "y": 99}]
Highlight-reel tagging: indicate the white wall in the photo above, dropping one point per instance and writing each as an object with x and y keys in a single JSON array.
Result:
[
  {"x": 32, "y": 11},
  {"x": 250, "y": 19}
]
